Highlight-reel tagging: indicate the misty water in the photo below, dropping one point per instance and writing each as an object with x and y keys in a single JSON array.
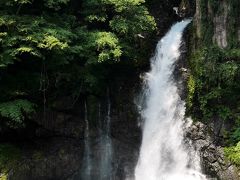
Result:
[{"x": 98, "y": 152}]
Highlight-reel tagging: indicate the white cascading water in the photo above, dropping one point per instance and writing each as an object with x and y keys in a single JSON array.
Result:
[{"x": 163, "y": 155}]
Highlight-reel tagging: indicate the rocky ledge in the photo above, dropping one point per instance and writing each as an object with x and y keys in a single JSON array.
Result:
[{"x": 213, "y": 161}]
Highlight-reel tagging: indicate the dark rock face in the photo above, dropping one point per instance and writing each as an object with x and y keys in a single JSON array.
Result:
[
  {"x": 60, "y": 123},
  {"x": 57, "y": 159},
  {"x": 66, "y": 118},
  {"x": 58, "y": 152},
  {"x": 126, "y": 132},
  {"x": 170, "y": 11},
  {"x": 213, "y": 161},
  {"x": 220, "y": 20}
]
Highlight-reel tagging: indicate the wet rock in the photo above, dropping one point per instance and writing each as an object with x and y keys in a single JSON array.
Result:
[
  {"x": 58, "y": 159},
  {"x": 214, "y": 164},
  {"x": 60, "y": 123},
  {"x": 184, "y": 9}
]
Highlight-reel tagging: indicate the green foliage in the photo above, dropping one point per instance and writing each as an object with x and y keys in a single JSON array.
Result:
[
  {"x": 191, "y": 90},
  {"x": 32, "y": 36},
  {"x": 215, "y": 72},
  {"x": 55, "y": 48},
  {"x": 233, "y": 24},
  {"x": 55, "y": 4},
  {"x": 15, "y": 112},
  {"x": 235, "y": 135},
  {"x": 50, "y": 42},
  {"x": 16, "y": 2},
  {"x": 130, "y": 17},
  {"x": 108, "y": 46},
  {"x": 3, "y": 176},
  {"x": 137, "y": 20},
  {"x": 233, "y": 154}
]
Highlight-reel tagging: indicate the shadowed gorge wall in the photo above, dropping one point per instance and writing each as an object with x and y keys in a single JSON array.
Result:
[{"x": 213, "y": 91}]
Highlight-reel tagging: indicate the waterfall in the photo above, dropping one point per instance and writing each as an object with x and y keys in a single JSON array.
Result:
[
  {"x": 98, "y": 151},
  {"x": 106, "y": 149},
  {"x": 163, "y": 155},
  {"x": 87, "y": 166}
]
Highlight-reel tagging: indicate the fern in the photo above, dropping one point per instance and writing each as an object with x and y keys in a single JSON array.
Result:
[
  {"x": 28, "y": 50},
  {"x": 14, "y": 111},
  {"x": 50, "y": 42},
  {"x": 233, "y": 154}
]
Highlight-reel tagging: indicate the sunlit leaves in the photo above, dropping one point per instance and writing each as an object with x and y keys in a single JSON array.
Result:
[
  {"x": 29, "y": 50},
  {"x": 133, "y": 24},
  {"x": 106, "y": 45},
  {"x": 100, "y": 18},
  {"x": 233, "y": 153},
  {"x": 6, "y": 21},
  {"x": 123, "y": 5},
  {"x": 129, "y": 16},
  {"x": 23, "y": 1},
  {"x": 33, "y": 36},
  {"x": 191, "y": 85},
  {"x": 106, "y": 40},
  {"x": 50, "y": 42},
  {"x": 9, "y": 156}
]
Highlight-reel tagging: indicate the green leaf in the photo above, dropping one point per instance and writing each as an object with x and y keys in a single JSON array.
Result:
[
  {"x": 50, "y": 42},
  {"x": 14, "y": 111}
]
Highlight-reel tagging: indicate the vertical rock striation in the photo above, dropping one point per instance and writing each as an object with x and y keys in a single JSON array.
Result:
[{"x": 217, "y": 21}]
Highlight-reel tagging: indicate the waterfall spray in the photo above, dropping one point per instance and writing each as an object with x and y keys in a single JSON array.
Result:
[{"x": 163, "y": 155}]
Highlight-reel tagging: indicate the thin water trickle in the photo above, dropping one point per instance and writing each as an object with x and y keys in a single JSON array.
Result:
[
  {"x": 98, "y": 150},
  {"x": 106, "y": 146},
  {"x": 87, "y": 167},
  {"x": 163, "y": 155}
]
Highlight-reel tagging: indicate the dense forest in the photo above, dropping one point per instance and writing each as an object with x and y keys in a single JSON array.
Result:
[{"x": 50, "y": 49}]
